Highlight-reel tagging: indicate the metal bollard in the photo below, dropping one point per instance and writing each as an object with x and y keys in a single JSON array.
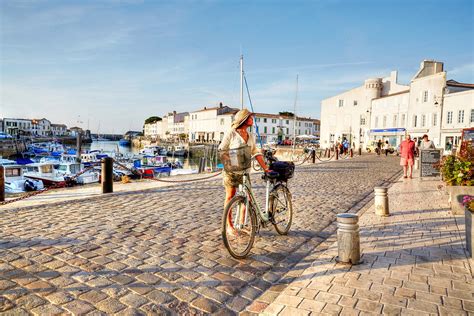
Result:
[
  {"x": 351, "y": 153},
  {"x": 2, "y": 183},
  {"x": 348, "y": 242},
  {"x": 313, "y": 155},
  {"x": 381, "y": 201},
  {"x": 360, "y": 151},
  {"x": 107, "y": 166},
  {"x": 337, "y": 154}
]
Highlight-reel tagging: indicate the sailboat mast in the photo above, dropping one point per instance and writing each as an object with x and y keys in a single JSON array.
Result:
[
  {"x": 241, "y": 81},
  {"x": 294, "y": 114}
]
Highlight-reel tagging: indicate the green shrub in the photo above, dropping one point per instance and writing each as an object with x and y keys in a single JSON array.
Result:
[{"x": 457, "y": 171}]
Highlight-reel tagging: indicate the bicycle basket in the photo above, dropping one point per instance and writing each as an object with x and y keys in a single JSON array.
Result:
[
  {"x": 285, "y": 169},
  {"x": 237, "y": 159}
]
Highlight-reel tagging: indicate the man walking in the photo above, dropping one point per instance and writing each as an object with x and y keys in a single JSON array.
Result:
[{"x": 407, "y": 153}]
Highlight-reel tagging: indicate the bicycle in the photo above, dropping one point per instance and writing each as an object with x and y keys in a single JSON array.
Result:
[
  {"x": 243, "y": 217},
  {"x": 268, "y": 156}
]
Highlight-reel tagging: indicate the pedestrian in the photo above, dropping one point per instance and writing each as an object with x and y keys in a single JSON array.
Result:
[
  {"x": 386, "y": 148},
  {"x": 238, "y": 136},
  {"x": 407, "y": 154},
  {"x": 345, "y": 145},
  {"x": 379, "y": 147},
  {"x": 426, "y": 143}
]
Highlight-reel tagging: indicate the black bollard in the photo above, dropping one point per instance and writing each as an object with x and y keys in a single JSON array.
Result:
[
  {"x": 107, "y": 175},
  {"x": 360, "y": 151},
  {"x": 313, "y": 155},
  {"x": 2, "y": 183},
  {"x": 337, "y": 154},
  {"x": 351, "y": 153}
]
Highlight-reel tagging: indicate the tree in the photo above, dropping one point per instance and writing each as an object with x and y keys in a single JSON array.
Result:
[
  {"x": 286, "y": 113},
  {"x": 152, "y": 119}
]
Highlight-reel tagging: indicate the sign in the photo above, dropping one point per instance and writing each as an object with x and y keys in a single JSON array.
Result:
[{"x": 428, "y": 159}]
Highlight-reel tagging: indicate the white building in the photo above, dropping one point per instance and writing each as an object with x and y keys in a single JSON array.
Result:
[
  {"x": 384, "y": 109},
  {"x": 457, "y": 115},
  {"x": 59, "y": 130},
  {"x": 177, "y": 125},
  {"x": 37, "y": 127},
  {"x": 210, "y": 124},
  {"x": 276, "y": 127}
]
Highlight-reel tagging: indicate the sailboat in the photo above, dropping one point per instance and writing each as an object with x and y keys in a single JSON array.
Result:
[{"x": 99, "y": 138}]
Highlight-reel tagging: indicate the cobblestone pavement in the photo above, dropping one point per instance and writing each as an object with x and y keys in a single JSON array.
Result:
[
  {"x": 160, "y": 252},
  {"x": 414, "y": 263}
]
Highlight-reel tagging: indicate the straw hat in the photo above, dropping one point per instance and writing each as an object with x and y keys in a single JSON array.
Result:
[{"x": 241, "y": 117}]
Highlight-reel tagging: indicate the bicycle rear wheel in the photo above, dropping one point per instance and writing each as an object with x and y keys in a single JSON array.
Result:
[
  {"x": 281, "y": 208},
  {"x": 239, "y": 227}
]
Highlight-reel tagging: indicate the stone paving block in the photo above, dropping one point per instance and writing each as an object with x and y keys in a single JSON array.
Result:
[
  {"x": 342, "y": 290},
  {"x": 205, "y": 305},
  {"x": 159, "y": 297},
  {"x": 368, "y": 306},
  {"x": 468, "y": 306},
  {"x": 328, "y": 297},
  {"x": 5, "y": 304},
  {"x": 348, "y": 302},
  {"x": 422, "y": 306},
  {"x": 110, "y": 306},
  {"x": 332, "y": 309},
  {"x": 368, "y": 295},
  {"x": 391, "y": 310},
  {"x": 273, "y": 309},
  {"x": 464, "y": 295},
  {"x": 78, "y": 307},
  {"x": 30, "y": 301},
  {"x": 48, "y": 310},
  {"x": 394, "y": 300},
  {"x": 291, "y": 311}
]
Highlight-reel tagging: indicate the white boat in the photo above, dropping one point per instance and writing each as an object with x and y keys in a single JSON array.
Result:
[
  {"x": 177, "y": 150},
  {"x": 176, "y": 172},
  {"x": 15, "y": 182},
  {"x": 6, "y": 162},
  {"x": 70, "y": 169},
  {"x": 151, "y": 150},
  {"x": 44, "y": 172}
]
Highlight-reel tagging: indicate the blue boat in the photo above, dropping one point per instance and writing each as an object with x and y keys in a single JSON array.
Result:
[{"x": 124, "y": 142}]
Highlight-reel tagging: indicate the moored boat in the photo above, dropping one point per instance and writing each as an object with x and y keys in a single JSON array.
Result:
[
  {"x": 44, "y": 172},
  {"x": 15, "y": 182}
]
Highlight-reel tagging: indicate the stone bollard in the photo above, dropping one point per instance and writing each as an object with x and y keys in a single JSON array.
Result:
[
  {"x": 107, "y": 166},
  {"x": 417, "y": 163},
  {"x": 381, "y": 201},
  {"x": 348, "y": 242},
  {"x": 2, "y": 183}
]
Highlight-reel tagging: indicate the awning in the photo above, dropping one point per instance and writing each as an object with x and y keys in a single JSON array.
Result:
[{"x": 388, "y": 130}]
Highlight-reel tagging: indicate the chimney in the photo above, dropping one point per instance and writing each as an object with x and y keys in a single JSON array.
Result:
[
  {"x": 205, "y": 108},
  {"x": 220, "y": 105}
]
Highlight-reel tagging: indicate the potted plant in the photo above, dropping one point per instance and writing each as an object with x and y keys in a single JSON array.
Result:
[
  {"x": 458, "y": 173},
  {"x": 468, "y": 203}
]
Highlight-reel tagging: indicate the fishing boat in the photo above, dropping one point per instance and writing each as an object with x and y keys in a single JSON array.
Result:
[
  {"x": 15, "y": 182},
  {"x": 177, "y": 150},
  {"x": 176, "y": 172},
  {"x": 44, "y": 172},
  {"x": 151, "y": 150},
  {"x": 70, "y": 169}
]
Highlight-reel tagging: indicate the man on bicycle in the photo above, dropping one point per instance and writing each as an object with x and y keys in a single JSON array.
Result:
[{"x": 237, "y": 137}]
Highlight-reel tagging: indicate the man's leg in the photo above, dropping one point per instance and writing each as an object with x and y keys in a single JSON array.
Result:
[
  {"x": 405, "y": 171},
  {"x": 411, "y": 171}
]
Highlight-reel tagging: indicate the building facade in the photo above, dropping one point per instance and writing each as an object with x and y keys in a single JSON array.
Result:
[
  {"x": 274, "y": 128},
  {"x": 59, "y": 130},
  {"x": 384, "y": 109},
  {"x": 210, "y": 124}
]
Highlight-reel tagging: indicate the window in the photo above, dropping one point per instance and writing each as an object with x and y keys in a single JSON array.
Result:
[
  {"x": 355, "y": 102},
  {"x": 257, "y": 119},
  {"x": 273, "y": 130},
  {"x": 362, "y": 120},
  {"x": 287, "y": 130},
  {"x": 449, "y": 117},
  {"x": 376, "y": 121},
  {"x": 384, "y": 122},
  {"x": 395, "y": 117},
  {"x": 264, "y": 120},
  {"x": 402, "y": 123},
  {"x": 472, "y": 116},
  {"x": 435, "y": 119},
  {"x": 461, "y": 116},
  {"x": 423, "y": 120},
  {"x": 265, "y": 129},
  {"x": 287, "y": 122},
  {"x": 415, "y": 120},
  {"x": 341, "y": 103},
  {"x": 425, "y": 96},
  {"x": 222, "y": 121},
  {"x": 274, "y": 120}
]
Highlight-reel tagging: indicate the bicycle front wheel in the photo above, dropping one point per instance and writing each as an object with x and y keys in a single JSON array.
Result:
[
  {"x": 239, "y": 227},
  {"x": 281, "y": 209}
]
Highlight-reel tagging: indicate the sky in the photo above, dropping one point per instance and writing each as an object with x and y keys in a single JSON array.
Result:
[{"x": 108, "y": 65}]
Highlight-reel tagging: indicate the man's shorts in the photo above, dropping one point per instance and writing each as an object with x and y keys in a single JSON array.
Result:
[
  {"x": 232, "y": 179},
  {"x": 406, "y": 161}
]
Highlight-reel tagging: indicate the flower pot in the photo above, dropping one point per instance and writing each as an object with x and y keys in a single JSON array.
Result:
[
  {"x": 456, "y": 194},
  {"x": 469, "y": 215}
]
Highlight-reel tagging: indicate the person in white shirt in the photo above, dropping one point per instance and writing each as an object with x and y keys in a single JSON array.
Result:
[
  {"x": 426, "y": 143},
  {"x": 237, "y": 137}
]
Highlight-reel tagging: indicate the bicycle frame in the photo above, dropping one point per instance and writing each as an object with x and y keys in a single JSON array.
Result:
[{"x": 245, "y": 190}]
